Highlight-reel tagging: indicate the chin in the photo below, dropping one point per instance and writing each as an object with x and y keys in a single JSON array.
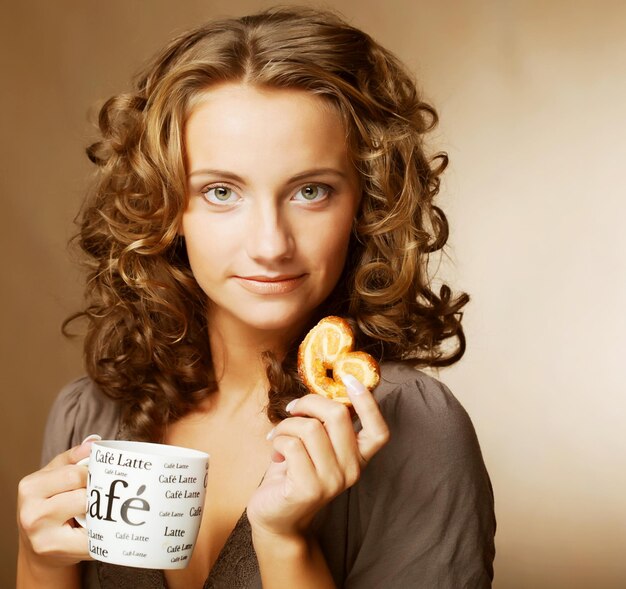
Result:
[
  {"x": 278, "y": 323},
  {"x": 276, "y": 318}
]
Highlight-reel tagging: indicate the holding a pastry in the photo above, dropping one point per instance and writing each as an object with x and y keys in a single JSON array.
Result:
[{"x": 256, "y": 241}]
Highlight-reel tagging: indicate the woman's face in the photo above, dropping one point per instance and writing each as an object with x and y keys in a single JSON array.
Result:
[{"x": 272, "y": 198}]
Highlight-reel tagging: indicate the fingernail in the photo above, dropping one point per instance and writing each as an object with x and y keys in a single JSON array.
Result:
[
  {"x": 291, "y": 405},
  {"x": 271, "y": 434},
  {"x": 91, "y": 438},
  {"x": 353, "y": 386}
]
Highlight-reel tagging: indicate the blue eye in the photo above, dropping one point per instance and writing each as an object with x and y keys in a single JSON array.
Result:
[
  {"x": 220, "y": 195},
  {"x": 313, "y": 193}
]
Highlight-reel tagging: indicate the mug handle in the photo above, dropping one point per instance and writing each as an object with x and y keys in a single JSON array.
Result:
[{"x": 81, "y": 519}]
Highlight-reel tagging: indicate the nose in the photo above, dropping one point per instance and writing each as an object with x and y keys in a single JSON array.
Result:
[{"x": 270, "y": 239}]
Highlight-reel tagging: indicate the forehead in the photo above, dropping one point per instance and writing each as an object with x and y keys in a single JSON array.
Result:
[{"x": 242, "y": 124}]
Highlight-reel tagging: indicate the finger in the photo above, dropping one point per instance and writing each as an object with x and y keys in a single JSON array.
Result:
[
  {"x": 302, "y": 480},
  {"x": 56, "y": 511},
  {"x": 44, "y": 484},
  {"x": 338, "y": 423},
  {"x": 375, "y": 433},
  {"x": 70, "y": 545},
  {"x": 76, "y": 544},
  {"x": 73, "y": 455},
  {"x": 336, "y": 419},
  {"x": 66, "y": 506},
  {"x": 317, "y": 443}
]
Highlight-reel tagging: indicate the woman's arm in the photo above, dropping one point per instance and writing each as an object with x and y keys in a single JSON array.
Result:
[
  {"x": 317, "y": 456},
  {"x": 32, "y": 576},
  {"x": 291, "y": 562}
]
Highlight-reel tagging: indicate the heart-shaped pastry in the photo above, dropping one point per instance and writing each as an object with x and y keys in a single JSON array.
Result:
[{"x": 326, "y": 354}]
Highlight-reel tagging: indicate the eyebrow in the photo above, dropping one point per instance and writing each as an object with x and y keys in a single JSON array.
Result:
[{"x": 300, "y": 176}]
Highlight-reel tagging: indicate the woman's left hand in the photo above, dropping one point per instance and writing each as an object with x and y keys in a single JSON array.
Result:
[{"x": 317, "y": 455}]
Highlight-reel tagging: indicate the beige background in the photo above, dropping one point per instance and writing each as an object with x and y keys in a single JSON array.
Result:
[{"x": 531, "y": 95}]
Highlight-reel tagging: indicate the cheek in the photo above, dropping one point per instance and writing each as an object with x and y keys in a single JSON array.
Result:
[
  {"x": 207, "y": 246},
  {"x": 329, "y": 245}
]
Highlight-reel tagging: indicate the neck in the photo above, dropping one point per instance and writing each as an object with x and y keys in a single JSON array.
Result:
[{"x": 236, "y": 351}]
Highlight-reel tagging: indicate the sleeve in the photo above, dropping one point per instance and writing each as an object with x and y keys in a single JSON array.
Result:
[
  {"x": 422, "y": 514},
  {"x": 80, "y": 409}
]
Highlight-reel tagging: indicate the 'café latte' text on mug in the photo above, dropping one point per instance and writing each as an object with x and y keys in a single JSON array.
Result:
[
  {"x": 121, "y": 460},
  {"x": 177, "y": 478}
]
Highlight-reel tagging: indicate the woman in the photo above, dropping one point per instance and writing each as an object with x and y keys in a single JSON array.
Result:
[{"x": 266, "y": 172}]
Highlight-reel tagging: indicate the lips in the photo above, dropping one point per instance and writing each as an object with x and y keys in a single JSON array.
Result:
[{"x": 270, "y": 285}]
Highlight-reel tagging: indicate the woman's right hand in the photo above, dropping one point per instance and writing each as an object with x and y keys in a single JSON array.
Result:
[{"x": 47, "y": 502}]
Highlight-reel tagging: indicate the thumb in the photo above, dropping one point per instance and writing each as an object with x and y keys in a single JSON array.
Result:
[{"x": 75, "y": 454}]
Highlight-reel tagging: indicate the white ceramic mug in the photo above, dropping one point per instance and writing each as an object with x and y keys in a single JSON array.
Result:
[{"x": 144, "y": 503}]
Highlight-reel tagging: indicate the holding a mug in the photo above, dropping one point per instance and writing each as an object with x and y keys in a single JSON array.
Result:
[
  {"x": 263, "y": 173},
  {"x": 144, "y": 503}
]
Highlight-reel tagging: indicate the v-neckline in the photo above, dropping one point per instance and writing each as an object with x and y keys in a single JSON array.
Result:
[
  {"x": 235, "y": 562},
  {"x": 223, "y": 553},
  {"x": 239, "y": 537}
]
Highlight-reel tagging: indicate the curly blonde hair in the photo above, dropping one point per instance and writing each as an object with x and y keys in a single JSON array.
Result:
[{"x": 146, "y": 342}]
